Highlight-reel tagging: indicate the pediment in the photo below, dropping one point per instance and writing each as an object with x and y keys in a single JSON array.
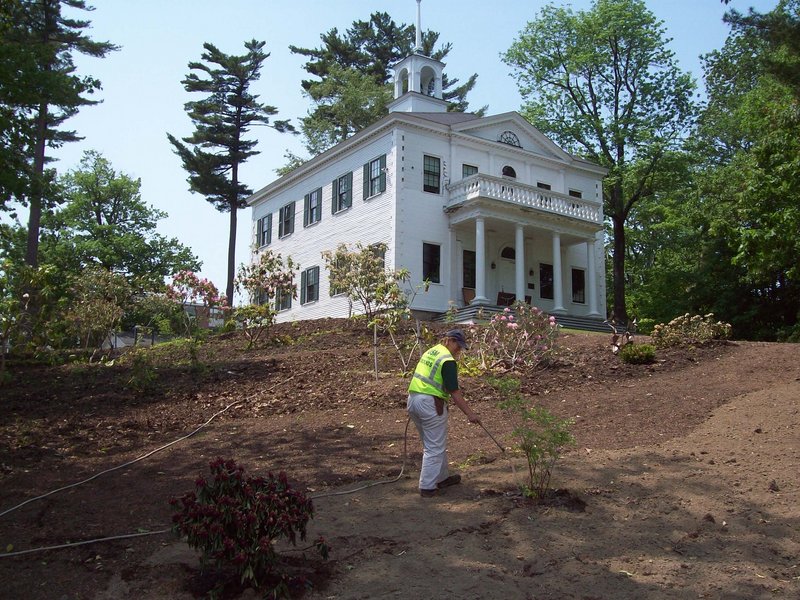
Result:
[{"x": 512, "y": 130}]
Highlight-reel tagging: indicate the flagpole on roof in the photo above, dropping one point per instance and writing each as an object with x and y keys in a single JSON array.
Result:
[{"x": 419, "y": 27}]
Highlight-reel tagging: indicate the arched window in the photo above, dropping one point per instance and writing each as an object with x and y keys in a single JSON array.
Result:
[
  {"x": 428, "y": 81},
  {"x": 509, "y": 172},
  {"x": 509, "y": 253}
]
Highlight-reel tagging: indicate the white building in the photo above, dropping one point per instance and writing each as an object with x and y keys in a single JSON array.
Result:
[{"x": 487, "y": 209}]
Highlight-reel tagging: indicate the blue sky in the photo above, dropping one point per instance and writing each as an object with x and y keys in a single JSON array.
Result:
[{"x": 143, "y": 98}]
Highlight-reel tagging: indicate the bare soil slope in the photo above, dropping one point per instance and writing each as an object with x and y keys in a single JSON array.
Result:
[{"x": 684, "y": 483}]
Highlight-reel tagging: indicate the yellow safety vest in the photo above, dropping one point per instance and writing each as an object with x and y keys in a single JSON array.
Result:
[{"x": 427, "y": 377}]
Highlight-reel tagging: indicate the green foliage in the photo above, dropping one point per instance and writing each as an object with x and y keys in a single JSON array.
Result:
[
  {"x": 690, "y": 329},
  {"x": 254, "y": 320},
  {"x": 155, "y": 311},
  {"x": 21, "y": 288},
  {"x": 143, "y": 376},
  {"x": 96, "y": 307},
  {"x": 645, "y": 326},
  {"x": 234, "y": 521},
  {"x": 540, "y": 435},
  {"x": 515, "y": 339},
  {"x": 213, "y": 154},
  {"x": 45, "y": 40},
  {"x": 641, "y": 354},
  {"x": 347, "y": 101},
  {"x": 620, "y": 98},
  {"x": 105, "y": 222}
]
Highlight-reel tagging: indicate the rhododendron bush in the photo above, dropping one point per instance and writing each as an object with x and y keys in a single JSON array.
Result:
[
  {"x": 518, "y": 338},
  {"x": 234, "y": 520},
  {"x": 190, "y": 290}
]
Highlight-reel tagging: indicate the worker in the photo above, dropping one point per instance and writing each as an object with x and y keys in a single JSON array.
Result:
[{"x": 433, "y": 385}]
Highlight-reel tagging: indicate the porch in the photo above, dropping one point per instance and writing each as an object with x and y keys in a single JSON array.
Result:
[{"x": 511, "y": 240}]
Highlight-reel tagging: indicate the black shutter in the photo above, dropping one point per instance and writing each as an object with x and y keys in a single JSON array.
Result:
[
  {"x": 334, "y": 196},
  {"x": 382, "y": 183},
  {"x": 303, "y": 277},
  {"x": 349, "y": 201}
]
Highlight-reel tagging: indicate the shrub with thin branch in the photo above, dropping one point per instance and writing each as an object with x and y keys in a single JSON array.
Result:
[{"x": 518, "y": 338}]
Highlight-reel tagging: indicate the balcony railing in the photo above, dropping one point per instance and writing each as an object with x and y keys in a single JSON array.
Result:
[{"x": 513, "y": 192}]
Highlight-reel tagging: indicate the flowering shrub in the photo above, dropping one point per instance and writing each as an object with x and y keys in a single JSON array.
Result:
[
  {"x": 689, "y": 329},
  {"x": 515, "y": 339},
  {"x": 234, "y": 521},
  {"x": 540, "y": 435},
  {"x": 189, "y": 289},
  {"x": 262, "y": 280}
]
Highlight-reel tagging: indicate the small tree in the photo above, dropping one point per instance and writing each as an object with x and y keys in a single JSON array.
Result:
[
  {"x": 362, "y": 275},
  {"x": 263, "y": 280},
  {"x": 234, "y": 521},
  {"x": 540, "y": 435},
  {"x": 194, "y": 295},
  {"x": 13, "y": 305}
]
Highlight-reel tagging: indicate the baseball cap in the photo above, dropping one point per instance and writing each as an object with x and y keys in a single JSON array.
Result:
[{"x": 458, "y": 336}]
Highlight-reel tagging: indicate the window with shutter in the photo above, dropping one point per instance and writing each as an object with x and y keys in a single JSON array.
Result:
[
  {"x": 342, "y": 193},
  {"x": 312, "y": 211},
  {"x": 286, "y": 220},
  {"x": 375, "y": 177}
]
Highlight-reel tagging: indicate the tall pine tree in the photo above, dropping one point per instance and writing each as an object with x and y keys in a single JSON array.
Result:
[
  {"x": 361, "y": 59},
  {"x": 213, "y": 153},
  {"x": 44, "y": 41}
]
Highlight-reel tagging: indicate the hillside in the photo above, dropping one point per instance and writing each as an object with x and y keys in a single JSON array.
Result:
[{"x": 683, "y": 484}]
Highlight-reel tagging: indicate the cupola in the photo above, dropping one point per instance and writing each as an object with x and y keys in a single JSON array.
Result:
[{"x": 418, "y": 80}]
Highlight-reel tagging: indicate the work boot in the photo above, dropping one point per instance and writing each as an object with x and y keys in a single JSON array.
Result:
[
  {"x": 452, "y": 480},
  {"x": 428, "y": 493}
]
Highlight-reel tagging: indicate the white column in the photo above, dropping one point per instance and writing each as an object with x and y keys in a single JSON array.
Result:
[
  {"x": 558, "y": 289},
  {"x": 454, "y": 293},
  {"x": 519, "y": 263},
  {"x": 591, "y": 261},
  {"x": 480, "y": 262}
]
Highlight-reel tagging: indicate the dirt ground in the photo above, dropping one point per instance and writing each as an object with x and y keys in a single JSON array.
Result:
[{"x": 684, "y": 483}]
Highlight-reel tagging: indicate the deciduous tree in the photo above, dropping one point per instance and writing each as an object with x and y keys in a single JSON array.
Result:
[
  {"x": 603, "y": 84},
  {"x": 105, "y": 222}
]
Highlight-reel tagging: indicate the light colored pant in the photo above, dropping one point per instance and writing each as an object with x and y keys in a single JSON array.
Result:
[{"x": 433, "y": 431}]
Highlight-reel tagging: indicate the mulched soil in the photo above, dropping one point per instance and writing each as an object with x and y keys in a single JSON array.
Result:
[{"x": 305, "y": 402}]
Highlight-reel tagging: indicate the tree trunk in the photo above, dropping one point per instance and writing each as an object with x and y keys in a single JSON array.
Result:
[
  {"x": 231, "y": 255},
  {"x": 37, "y": 191},
  {"x": 620, "y": 312}
]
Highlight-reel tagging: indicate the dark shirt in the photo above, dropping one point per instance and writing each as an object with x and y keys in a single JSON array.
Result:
[{"x": 450, "y": 375}]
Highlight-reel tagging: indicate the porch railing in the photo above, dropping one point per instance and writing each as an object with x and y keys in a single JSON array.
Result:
[{"x": 513, "y": 192}]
